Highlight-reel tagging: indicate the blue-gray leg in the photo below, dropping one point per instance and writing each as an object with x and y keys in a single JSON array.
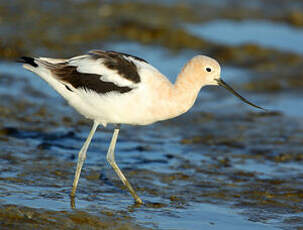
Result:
[
  {"x": 111, "y": 160},
  {"x": 81, "y": 158}
]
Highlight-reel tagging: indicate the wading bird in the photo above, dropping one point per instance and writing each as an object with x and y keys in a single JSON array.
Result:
[{"x": 110, "y": 87}]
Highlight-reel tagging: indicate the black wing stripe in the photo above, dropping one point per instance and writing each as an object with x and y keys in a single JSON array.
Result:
[
  {"x": 86, "y": 81},
  {"x": 116, "y": 61}
]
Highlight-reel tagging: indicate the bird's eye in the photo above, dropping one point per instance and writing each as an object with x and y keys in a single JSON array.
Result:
[{"x": 208, "y": 69}]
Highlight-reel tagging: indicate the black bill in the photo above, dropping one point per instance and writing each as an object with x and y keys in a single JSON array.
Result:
[{"x": 226, "y": 86}]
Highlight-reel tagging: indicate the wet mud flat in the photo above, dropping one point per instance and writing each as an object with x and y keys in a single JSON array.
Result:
[
  {"x": 223, "y": 165},
  {"x": 248, "y": 162}
]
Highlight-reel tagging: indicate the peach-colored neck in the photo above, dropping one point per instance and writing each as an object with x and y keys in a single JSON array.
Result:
[
  {"x": 189, "y": 80},
  {"x": 187, "y": 87},
  {"x": 181, "y": 96}
]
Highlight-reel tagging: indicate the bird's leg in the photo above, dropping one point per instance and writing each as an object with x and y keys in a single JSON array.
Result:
[
  {"x": 82, "y": 156},
  {"x": 111, "y": 160}
]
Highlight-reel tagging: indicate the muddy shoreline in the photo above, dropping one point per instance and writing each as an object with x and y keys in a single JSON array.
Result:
[{"x": 221, "y": 165}]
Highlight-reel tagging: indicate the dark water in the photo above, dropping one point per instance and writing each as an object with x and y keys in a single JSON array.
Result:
[{"x": 223, "y": 165}]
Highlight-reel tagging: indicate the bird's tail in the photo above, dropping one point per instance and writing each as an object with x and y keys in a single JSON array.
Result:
[
  {"x": 28, "y": 60},
  {"x": 30, "y": 63},
  {"x": 37, "y": 65},
  {"x": 43, "y": 66}
]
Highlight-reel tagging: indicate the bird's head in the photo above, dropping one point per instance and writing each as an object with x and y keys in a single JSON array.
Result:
[{"x": 209, "y": 72}]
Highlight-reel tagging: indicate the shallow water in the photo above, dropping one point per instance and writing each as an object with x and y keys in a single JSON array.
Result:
[
  {"x": 222, "y": 165},
  {"x": 268, "y": 34},
  {"x": 150, "y": 156}
]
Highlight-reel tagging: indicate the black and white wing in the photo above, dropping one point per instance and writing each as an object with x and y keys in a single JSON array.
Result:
[{"x": 100, "y": 71}]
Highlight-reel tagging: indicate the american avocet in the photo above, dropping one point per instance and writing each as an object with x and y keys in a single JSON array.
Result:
[{"x": 118, "y": 88}]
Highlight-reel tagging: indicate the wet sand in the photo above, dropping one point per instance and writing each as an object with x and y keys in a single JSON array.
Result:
[{"x": 223, "y": 165}]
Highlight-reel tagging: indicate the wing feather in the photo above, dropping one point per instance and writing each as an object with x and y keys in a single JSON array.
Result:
[{"x": 100, "y": 71}]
